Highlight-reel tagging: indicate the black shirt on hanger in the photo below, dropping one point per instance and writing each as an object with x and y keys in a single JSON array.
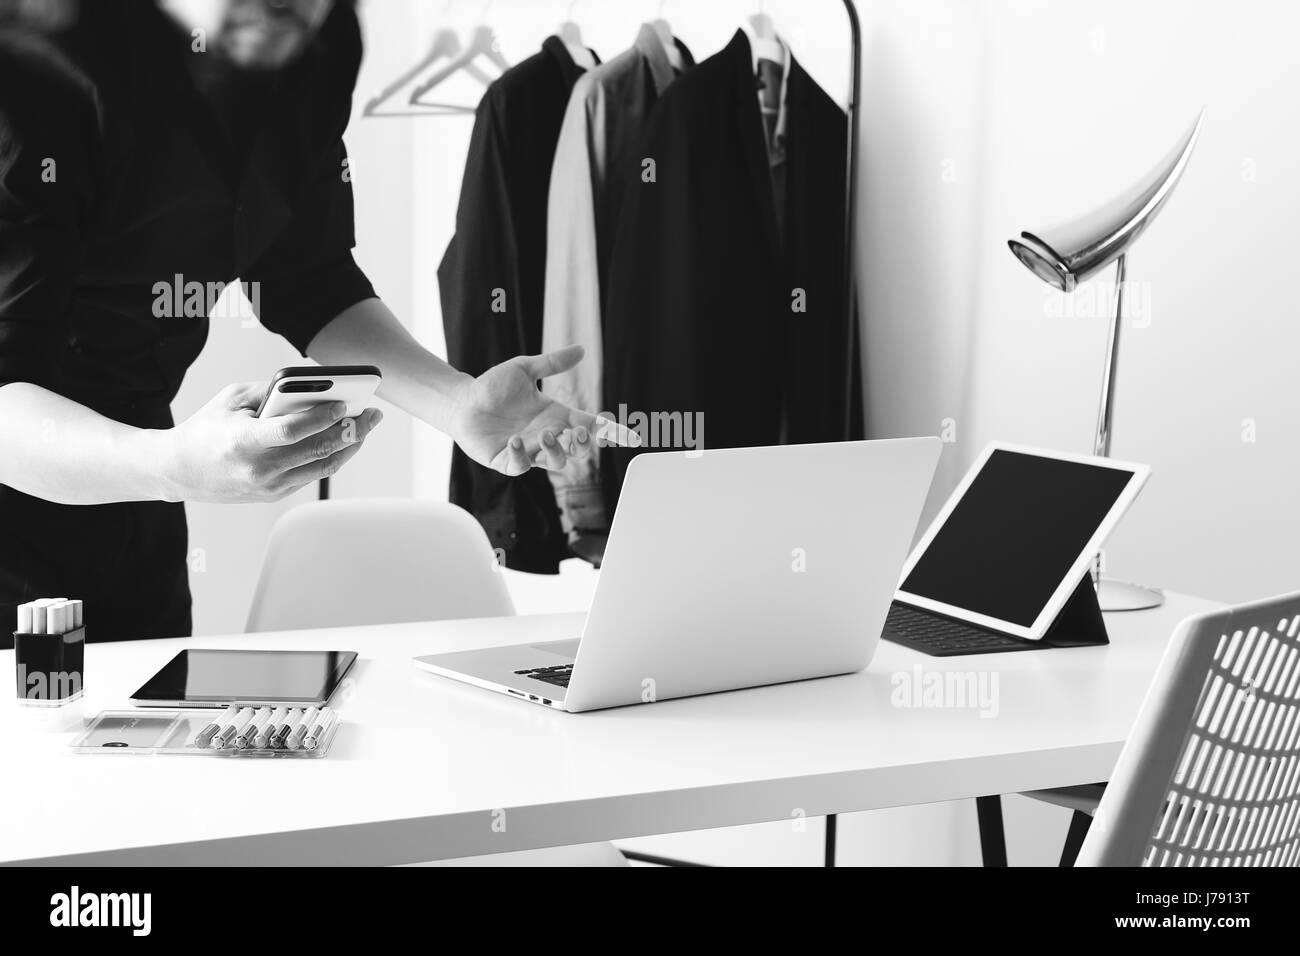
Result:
[
  {"x": 716, "y": 306},
  {"x": 491, "y": 281}
]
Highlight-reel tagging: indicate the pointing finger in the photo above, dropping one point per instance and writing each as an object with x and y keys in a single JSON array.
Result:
[{"x": 608, "y": 432}]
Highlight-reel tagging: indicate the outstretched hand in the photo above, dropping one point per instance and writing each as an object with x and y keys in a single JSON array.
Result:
[{"x": 503, "y": 420}]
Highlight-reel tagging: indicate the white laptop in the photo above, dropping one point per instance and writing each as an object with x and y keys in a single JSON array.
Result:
[{"x": 729, "y": 568}]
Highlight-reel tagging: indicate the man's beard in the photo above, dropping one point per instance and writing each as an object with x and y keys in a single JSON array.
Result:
[{"x": 256, "y": 36}]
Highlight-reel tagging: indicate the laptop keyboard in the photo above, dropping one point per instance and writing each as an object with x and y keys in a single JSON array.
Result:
[
  {"x": 557, "y": 675},
  {"x": 944, "y": 637}
]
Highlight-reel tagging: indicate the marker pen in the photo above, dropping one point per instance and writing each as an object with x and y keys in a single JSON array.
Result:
[
  {"x": 207, "y": 733},
  {"x": 40, "y": 614},
  {"x": 248, "y": 736},
  {"x": 324, "y": 721},
  {"x": 268, "y": 729},
  {"x": 245, "y": 726},
  {"x": 286, "y": 727},
  {"x": 59, "y": 617},
  {"x": 231, "y": 726},
  {"x": 294, "y": 740},
  {"x": 69, "y": 616}
]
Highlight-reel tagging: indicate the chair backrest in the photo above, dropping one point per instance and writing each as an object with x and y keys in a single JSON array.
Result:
[
  {"x": 376, "y": 561},
  {"x": 1210, "y": 775}
]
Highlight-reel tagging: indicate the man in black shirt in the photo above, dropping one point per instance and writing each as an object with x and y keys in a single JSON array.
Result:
[{"x": 152, "y": 144}]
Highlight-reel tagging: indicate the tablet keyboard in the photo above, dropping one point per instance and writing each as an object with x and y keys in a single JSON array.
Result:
[{"x": 944, "y": 637}]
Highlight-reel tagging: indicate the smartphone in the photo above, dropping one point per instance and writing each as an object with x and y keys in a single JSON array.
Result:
[{"x": 299, "y": 388}]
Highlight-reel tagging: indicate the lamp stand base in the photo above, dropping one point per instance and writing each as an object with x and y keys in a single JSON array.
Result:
[{"x": 1115, "y": 595}]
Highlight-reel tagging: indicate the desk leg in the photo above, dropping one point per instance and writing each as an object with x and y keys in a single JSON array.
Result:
[
  {"x": 1079, "y": 824},
  {"x": 830, "y": 839},
  {"x": 993, "y": 839}
]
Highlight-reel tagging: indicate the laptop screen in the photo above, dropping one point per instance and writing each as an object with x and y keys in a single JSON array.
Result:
[{"x": 1013, "y": 536}]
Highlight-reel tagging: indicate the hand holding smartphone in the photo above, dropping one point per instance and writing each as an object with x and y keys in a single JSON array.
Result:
[{"x": 254, "y": 442}]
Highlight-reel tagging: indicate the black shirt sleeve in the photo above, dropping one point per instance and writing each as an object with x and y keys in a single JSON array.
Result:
[
  {"x": 44, "y": 146},
  {"x": 309, "y": 276}
]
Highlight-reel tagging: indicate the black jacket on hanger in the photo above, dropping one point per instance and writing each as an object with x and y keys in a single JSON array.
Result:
[
  {"x": 703, "y": 285},
  {"x": 491, "y": 281}
]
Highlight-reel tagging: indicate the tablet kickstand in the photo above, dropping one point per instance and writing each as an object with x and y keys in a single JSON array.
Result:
[{"x": 1079, "y": 622}]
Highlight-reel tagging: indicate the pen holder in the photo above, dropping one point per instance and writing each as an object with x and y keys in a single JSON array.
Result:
[{"x": 49, "y": 667}]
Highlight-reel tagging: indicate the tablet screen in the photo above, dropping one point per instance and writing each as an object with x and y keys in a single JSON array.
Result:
[
  {"x": 1009, "y": 542},
  {"x": 219, "y": 676}
]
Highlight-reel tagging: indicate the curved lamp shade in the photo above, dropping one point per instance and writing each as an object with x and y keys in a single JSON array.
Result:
[{"x": 1069, "y": 254}]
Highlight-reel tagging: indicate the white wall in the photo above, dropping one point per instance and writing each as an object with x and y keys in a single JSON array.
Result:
[
  {"x": 1044, "y": 112},
  {"x": 983, "y": 119}
]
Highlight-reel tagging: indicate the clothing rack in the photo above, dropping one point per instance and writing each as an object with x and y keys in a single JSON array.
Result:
[
  {"x": 850, "y": 286},
  {"x": 851, "y": 332}
]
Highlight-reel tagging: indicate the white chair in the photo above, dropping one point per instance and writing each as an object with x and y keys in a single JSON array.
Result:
[
  {"x": 375, "y": 561},
  {"x": 1210, "y": 775},
  {"x": 387, "y": 561}
]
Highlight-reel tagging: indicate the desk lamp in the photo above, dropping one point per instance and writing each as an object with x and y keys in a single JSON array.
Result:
[{"x": 1072, "y": 253}]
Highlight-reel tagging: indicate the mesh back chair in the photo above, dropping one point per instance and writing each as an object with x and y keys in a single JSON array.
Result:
[{"x": 1210, "y": 775}]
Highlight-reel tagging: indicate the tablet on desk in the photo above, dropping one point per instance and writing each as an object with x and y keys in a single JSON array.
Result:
[
  {"x": 1017, "y": 536},
  {"x": 211, "y": 678}
]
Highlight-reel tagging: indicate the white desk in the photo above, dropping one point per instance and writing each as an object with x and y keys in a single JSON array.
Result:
[{"x": 423, "y": 766}]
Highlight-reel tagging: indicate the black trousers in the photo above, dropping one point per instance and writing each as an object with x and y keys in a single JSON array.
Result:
[{"x": 127, "y": 561}]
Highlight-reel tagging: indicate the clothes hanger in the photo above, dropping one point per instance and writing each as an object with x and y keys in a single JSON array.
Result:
[
  {"x": 665, "y": 34},
  {"x": 445, "y": 46},
  {"x": 763, "y": 40},
  {"x": 482, "y": 43},
  {"x": 571, "y": 35}
]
